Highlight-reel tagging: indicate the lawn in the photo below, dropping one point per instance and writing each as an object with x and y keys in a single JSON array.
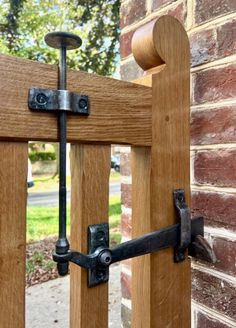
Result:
[
  {"x": 43, "y": 221},
  {"x": 49, "y": 183}
]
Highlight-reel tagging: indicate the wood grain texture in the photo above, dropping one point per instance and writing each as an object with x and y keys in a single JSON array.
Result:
[
  {"x": 169, "y": 288},
  {"x": 141, "y": 224},
  {"x": 13, "y": 186},
  {"x": 120, "y": 111},
  {"x": 90, "y": 169}
]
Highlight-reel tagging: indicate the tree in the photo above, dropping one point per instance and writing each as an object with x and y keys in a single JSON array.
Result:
[{"x": 23, "y": 24}]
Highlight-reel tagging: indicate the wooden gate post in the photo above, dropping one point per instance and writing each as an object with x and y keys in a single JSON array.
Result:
[{"x": 161, "y": 293}]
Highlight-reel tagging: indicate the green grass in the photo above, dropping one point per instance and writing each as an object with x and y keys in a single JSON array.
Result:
[
  {"x": 38, "y": 260},
  {"x": 49, "y": 183},
  {"x": 43, "y": 221}
]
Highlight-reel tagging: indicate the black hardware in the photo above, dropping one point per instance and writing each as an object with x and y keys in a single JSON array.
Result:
[
  {"x": 56, "y": 100},
  {"x": 184, "y": 215},
  {"x": 188, "y": 234},
  {"x": 62, "y": 101}
]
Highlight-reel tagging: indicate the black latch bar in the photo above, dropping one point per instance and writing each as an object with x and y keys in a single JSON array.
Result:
[{"x": 188, "y": 234}]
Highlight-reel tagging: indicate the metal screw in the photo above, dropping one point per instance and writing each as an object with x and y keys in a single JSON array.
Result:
[
  {"x": 63, "y": 41},
  {"x": 100, "y": 275},
  {"x": 179, "y": 256},
  {"x": 83, "y": 103},
  {"x": 41, "y": 99}
]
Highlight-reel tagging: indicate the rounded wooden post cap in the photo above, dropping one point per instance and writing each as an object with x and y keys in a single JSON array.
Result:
[{"x": 159, "y": 42}]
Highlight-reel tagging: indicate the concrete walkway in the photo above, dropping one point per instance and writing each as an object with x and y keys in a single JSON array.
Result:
[{"x": 47, "y": 304}]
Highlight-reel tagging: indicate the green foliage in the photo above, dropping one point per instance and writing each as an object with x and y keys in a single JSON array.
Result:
[
  {"x": 35, "y": 156},
  {"x": 24, "y": 23}
]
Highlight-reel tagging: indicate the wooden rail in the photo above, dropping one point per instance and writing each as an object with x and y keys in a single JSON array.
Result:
[{"x": 120, "y": 111}]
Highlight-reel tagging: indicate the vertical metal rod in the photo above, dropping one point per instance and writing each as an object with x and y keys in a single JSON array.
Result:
[{"x": 62, "y": 245}]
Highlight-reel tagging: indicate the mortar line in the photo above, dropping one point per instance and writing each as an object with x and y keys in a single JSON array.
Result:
[
  {"x": 212, "y": 106},
  {"x": 214, "y": 314},
  {"x": 213, "y": 147},
  {"x": 208, "y": 188},
  {"x": 217, "y": 274},
  {"x": 220, "y": 233}
]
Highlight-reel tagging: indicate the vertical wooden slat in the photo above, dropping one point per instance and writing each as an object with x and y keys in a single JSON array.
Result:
[
  {"x": 90, "y": 169},
  {"x": 13, "y": 186},
  {"x": 141, "y": 224},
  {"x": 167, "y": 285}
]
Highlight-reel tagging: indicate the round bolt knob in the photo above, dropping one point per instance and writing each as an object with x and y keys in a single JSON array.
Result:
[
  {"x": 105, "y": 258},
  {"x": 60, "y": 40}
]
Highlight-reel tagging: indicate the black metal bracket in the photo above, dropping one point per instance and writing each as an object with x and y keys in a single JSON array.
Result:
[
  {"x": 56, "y": 100},
  {"x": 183, "y": 236}
]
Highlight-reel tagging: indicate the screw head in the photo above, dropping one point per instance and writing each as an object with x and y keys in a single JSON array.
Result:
[
  {"x": 83, "y": 104},
  {"x": 59, "y": 39},
  {"x": 41, "y": 99}
]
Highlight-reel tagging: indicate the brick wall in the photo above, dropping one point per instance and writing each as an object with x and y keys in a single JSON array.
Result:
[{"x": 211, "y": 27}]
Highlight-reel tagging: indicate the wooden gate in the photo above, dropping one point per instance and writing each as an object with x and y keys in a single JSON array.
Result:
[{"x": 151, "y": 115}]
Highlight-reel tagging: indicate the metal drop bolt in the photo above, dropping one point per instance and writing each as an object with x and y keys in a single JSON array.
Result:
[{"x": 63, "y": 41}]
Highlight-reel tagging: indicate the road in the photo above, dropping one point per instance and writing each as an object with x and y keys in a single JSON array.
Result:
[{"x": 51, "y": 198}]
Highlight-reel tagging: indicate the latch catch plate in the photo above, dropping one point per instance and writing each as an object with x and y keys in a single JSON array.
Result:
[{"x": 98, "y": 239}]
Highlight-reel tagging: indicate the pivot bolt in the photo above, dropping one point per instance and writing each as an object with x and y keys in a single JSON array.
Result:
[{"x": 105, "y": 258}]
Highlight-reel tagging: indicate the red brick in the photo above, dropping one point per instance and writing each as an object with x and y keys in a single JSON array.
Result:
[
  {"x": 206, "y": 10},
  {"x": 127, "y": 263},
  {"x": 218, "y": 210},
  {"x": 203, "y": 321},
  {"x": 125, "y": 285},
  {"x": 156, "y": 4},
  {"x": 225, "y": 251},
  {"x": 125, "y": 44},
  {"x": 130, "y": 71},
  {"x": 179, "y": 12},
  {"x": 214, "y": 293},
  {"x": 132, "y": 11},
  {"x": 203, "y": 47},
  {"x": 126, "y": 225},
  {"x": 226, "y": 37},
  {"x": 126, "y": 194},
  {"x": 216, "y": 168},
  {"x": 215, "y": 84},
  {"x": 125, "y": 165},
  {"x": 213, "y": 126}
]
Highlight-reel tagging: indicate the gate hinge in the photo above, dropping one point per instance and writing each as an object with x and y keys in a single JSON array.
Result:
[{"x": 183, "y": 236}]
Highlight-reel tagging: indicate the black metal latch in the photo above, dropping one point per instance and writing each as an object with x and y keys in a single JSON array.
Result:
[{"x": 188, "y": 234}]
